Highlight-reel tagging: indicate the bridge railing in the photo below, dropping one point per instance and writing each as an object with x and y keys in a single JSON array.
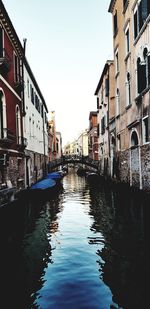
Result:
[{"x": 73, "y": 159}]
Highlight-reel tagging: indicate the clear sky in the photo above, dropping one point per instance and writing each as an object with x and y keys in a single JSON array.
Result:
[{"x": 68, "y": 43}]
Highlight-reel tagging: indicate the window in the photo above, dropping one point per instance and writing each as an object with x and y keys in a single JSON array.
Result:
[
  {"x": 125, "y": 3},
  {"x": 116, "y": 61},
  {"x": 118, "y": 142},
  {"x": 145, "y": 129},
  {"x": 3, "y": 119},
  {"x": 147, "y": 66},
  {"x": 127, "y": 40},
  {"x": 115, "y": 23},
  {"x": 128, "y": 90},
  {"x": 117, "y": 102},
  {"x": 28, "y": 87},
  {"x": 103, "y": 125},
  {"x": 106, "y": 87},
  {"x": 141, "y": 76},
  {"x": 16, "y": 69},
  {"x": 134, "y": 139},
  {"x": 143, "y": 71},
  {"x": 32, "y": 94},
  {"x": 42, "y": 112},
  {"x": 102, "y": 97},
  {"x": 97, "y": 102},
  {"x": 98, "y": 129},
  {"x": 18, "y": 127},
  {"x": 141, "y": 12}
]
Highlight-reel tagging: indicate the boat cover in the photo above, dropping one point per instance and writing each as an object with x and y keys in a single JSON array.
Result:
[{"x": 44, "y": 184}]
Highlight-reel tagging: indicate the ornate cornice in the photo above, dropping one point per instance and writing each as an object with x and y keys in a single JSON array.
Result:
[{"x": 8, "y": 26}]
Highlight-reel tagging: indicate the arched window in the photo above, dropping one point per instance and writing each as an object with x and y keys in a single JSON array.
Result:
[
  {"x": 141, "y": 71},
  {"x": 143, "y": 77},
  {"x": 117, "y": 102},
  {"x": 3, "y": 119},
  {"x": 18, "y": 127},
  {"x": 146, "y": 57},
  {"x": 128, "y": 89},
  {"x": 134, "y": 139}
]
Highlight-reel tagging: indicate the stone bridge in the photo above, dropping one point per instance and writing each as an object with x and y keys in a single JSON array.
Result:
[{"x": 73, "y": 160}]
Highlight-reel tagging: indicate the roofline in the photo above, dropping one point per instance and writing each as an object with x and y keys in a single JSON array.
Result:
[
  {"x": 107, "y": 64},
  {"x": 6, "y": 21},
  {"x": 35, "y": 82},
  {"x": 111, "y": 6}
]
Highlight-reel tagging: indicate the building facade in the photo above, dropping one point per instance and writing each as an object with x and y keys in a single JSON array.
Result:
[
  {"x": 23, "y": 114},
  {"x": 12, "y": 141},
  {"x": 131, "y": 22},
  {"x": 35, "y": 125},
  {"x": 105, "y": 111},
  {"x": 83, "y": 143},
  {"x": 58, "y": 145},
  {"x": 93, "y": 136}
]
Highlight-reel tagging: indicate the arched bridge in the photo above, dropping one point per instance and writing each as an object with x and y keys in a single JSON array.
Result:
[{"x": 73, "y": 160}]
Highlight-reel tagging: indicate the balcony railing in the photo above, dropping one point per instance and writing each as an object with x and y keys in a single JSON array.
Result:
[{"x": 4, "y": 61}]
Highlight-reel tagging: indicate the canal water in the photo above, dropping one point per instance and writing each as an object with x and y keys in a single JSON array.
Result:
[{"x": 87, "y": 247}]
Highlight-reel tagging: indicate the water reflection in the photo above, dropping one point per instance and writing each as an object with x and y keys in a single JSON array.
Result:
[
  {"x": 122, "y": 218},
  {"x": 87, "y": 247},
  {"x": 25, "y": 250}
]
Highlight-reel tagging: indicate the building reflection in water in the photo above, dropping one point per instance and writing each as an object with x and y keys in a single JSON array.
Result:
[
  {"x": 25, "y": 233},
  {"x": 124, "y": 248}
]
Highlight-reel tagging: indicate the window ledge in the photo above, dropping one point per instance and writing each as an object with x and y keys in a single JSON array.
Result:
[
  {"x": 127, "y": 56},
  {"x": 146, "y": 143},
  {"x": 135, "y": 146},
  {"x": 128, "y": 106}
]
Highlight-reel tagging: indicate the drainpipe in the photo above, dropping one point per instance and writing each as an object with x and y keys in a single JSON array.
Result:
[{"x": 23, "y": 60}]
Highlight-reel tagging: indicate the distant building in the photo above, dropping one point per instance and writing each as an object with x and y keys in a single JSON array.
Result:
[
  {"x": 58, "y": 145},
  {"x": 92, "y": 136},
  {"x": 106, "y": 118},
  {"x": 83, "y": 143},
  {"x": 55, "y": 139}
]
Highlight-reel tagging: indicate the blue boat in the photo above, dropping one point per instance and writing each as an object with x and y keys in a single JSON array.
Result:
[
  {"x": 44, "y": 184},
  {"x": 55, "y": 176},
  {"x": 42, "y": 189}
]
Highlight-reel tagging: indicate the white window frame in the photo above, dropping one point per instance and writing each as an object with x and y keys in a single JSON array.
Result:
[{"x": 144, "y": 130}]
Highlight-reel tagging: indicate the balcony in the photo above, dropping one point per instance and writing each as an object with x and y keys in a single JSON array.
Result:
[
  {"x": 4, "y": 61},
  {"x": 21, "y": 143},
  {"x": 7, "y": 138}
]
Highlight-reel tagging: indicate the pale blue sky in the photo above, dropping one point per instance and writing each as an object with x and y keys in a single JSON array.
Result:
[{"x": 68, "y": 43}]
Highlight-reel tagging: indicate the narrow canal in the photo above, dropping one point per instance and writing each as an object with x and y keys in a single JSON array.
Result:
[{"x": 85, "y": 248}]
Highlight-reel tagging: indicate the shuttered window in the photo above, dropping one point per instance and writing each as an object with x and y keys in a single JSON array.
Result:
[{"x": 107, "y": 87}]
